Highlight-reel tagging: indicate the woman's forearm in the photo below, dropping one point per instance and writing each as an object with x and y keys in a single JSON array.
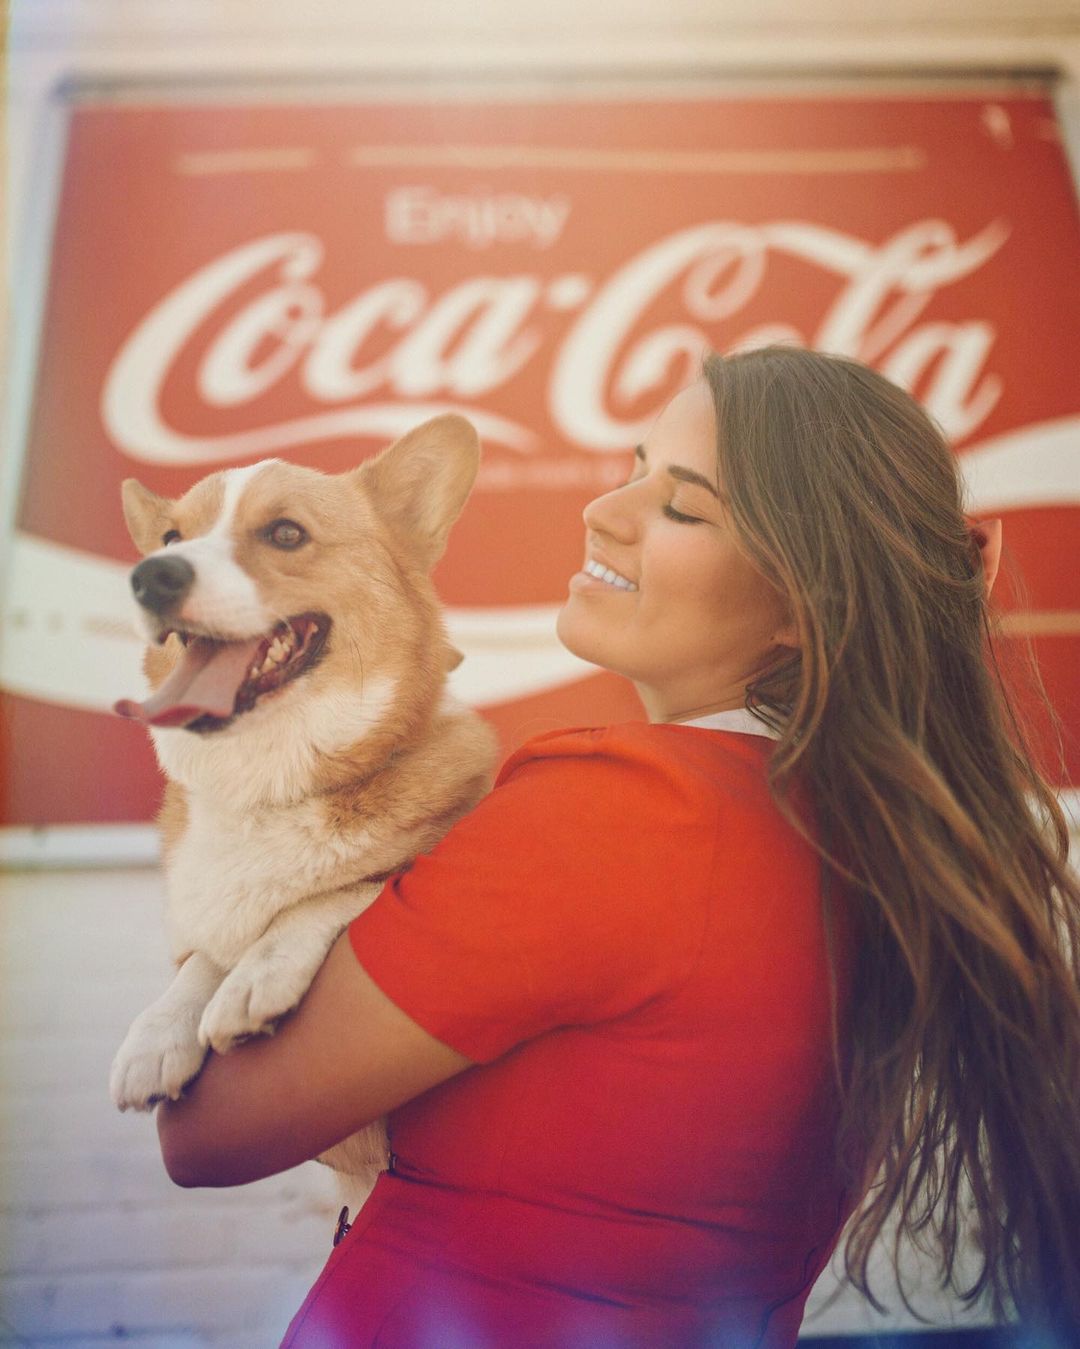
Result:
[{"x": 345, "y": 1057}]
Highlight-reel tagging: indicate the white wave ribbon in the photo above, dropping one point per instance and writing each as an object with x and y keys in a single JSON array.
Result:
[{"x": 1034, "y": 466}]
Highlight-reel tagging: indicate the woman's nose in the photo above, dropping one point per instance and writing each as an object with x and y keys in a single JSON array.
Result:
[{"x": 612, "y": 514}]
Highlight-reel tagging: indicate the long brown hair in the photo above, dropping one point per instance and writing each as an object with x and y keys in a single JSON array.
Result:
[{"x": 961, "y": 1071}]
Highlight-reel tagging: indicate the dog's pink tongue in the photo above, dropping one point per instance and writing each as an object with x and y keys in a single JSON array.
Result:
[{"x": 204, "y": 684}]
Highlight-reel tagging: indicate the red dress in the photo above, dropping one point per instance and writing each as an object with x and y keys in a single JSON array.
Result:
[{"x": 626, "y": 937}]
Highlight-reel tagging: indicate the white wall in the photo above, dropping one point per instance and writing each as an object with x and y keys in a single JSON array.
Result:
[{"x": 96, "y": 1242}]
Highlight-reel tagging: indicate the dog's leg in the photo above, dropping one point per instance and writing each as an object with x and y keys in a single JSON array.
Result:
[
  {"x": 275, "y": 972},
  {"x": 161, "y": 1052}
]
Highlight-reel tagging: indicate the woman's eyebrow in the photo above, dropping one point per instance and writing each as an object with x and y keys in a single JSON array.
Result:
[{"x": 683, "y": 474}]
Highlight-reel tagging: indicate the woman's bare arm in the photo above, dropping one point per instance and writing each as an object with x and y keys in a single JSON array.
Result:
[{"x": 345, "y": 1057}]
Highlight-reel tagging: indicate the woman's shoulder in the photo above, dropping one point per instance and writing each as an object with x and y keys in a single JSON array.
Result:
[{"x": 673, "y": 753}]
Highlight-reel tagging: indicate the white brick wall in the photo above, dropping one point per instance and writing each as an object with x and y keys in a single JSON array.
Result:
[{"x": 95, "y": 1240}]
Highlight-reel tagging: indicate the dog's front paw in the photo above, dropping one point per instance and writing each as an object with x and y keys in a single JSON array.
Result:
[
  {"x": 257, "y": 993},
  {"x": 159, "y": 1056}
]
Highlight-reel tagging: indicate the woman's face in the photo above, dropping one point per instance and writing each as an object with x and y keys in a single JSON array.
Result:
[{"x": 686, "y": 616}]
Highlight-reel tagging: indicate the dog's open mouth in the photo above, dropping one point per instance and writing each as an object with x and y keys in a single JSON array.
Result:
[{"x": 215, "y": 681}]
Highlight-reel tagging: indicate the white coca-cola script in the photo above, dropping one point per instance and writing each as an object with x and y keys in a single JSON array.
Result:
[{"x": 455, "y": 349}]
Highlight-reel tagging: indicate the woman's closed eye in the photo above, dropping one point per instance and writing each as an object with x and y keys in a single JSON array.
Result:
[
  {"x": 668, "y": 509},
  {"x": 673, "y": 514}
]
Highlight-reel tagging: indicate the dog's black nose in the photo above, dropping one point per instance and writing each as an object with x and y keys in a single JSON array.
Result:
[{"x": 161, "y": 582}]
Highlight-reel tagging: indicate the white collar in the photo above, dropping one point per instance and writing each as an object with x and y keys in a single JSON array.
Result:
[{"x": 734, "y": 719}]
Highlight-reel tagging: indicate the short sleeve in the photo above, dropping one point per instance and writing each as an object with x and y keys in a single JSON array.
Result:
[{"x": 573, "y": 894}]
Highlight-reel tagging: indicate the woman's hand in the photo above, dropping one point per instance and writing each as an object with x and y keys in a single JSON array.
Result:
[{"x": 345, "y": 1057}]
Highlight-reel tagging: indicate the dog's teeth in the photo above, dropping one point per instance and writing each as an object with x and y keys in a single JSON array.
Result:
[{"x": 277, "y": 653}]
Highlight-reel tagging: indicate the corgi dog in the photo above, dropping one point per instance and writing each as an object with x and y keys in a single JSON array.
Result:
[{"x": 298, "y": 660}]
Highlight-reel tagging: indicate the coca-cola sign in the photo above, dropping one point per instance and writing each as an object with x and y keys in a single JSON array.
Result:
[{"x": 232, "y": 282}]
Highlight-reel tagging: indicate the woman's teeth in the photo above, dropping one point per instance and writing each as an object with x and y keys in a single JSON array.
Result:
[{"x": 611, "y": 577}]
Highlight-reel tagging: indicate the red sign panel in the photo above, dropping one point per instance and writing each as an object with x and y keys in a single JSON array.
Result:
[{"x": 235, "y": 281}]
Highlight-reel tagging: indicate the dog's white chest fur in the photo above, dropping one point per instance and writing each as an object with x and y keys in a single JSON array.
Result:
[{"x": 232, "y": 872}]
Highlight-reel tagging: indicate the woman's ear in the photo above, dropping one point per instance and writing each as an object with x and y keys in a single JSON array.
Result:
[
  {"x": 986, "y": 536},
  {"x": 787, "y": 633}
]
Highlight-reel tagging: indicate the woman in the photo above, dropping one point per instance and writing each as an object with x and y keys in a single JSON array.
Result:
[{"x": 678, "y": 998}]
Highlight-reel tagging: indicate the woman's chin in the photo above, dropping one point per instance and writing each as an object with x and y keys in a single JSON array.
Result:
[
  {"x": 577, "y": 632},
  {"x": 565, "y": 628}
]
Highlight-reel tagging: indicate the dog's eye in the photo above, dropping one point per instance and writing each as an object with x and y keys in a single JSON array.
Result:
[
  {"x": 171, "y": 536},
  {"x": 286, "y": 534}
]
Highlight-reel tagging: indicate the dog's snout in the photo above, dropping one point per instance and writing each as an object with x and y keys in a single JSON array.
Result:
[{"x": 161, "y": 582}]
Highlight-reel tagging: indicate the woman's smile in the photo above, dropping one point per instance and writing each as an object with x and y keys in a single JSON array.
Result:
[{"x": 596, "y": 575}]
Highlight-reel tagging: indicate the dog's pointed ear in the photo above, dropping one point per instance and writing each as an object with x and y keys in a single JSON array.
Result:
[
  {"x": 146, "y": 515},
  {"x": 421, "y": 482}
]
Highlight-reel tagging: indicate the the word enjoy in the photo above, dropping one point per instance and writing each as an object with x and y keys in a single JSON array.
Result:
[{"x": 423, "y": 215}]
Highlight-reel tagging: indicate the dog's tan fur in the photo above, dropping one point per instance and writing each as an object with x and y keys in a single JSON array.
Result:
[{"x": 277, "y": 827}]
